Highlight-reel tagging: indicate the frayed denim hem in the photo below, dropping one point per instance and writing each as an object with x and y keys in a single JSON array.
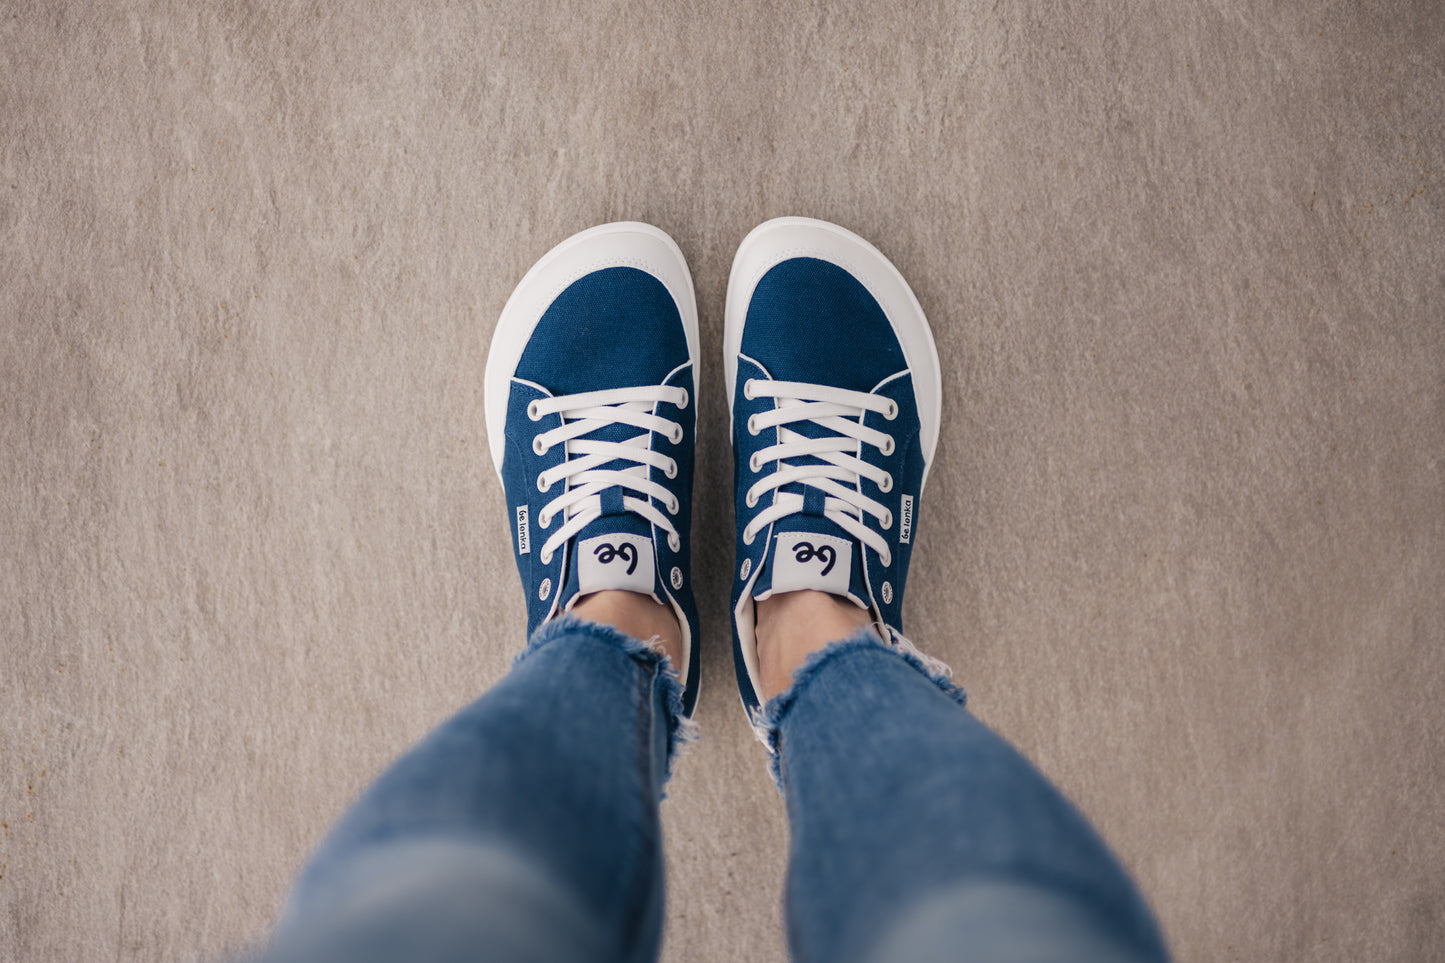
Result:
[
  {"x": 768, "y": 721},
  {"x": 681, "y": 731}
]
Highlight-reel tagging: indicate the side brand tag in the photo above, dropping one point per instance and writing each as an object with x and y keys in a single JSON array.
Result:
[
  {"x": 524, "y": 536},
  {"x": 905, "y": 520}
]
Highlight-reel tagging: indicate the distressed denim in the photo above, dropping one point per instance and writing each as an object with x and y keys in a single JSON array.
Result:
[
  {"x": 920, "y": 835},
  {"x": 526, "y": 827}
]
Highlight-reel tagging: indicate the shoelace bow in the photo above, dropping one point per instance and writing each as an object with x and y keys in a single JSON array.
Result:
[
  {"x": 836, "y": 410},
  {"x": 582, "y": 471}
]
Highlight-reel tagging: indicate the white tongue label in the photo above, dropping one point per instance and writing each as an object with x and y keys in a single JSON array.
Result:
[
  {"x": 615, "y": 562},
  {"x": 805, "y": 560}
]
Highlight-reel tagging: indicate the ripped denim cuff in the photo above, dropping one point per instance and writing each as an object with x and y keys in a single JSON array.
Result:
[
  {"x": 767, "y": 722},
  {"x": 681, "y": 731}
]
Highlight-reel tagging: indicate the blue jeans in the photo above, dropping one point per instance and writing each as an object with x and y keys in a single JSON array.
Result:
[{"x": 526, "y": 827}]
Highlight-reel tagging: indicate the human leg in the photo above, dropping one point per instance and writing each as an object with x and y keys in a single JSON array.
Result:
[
  {"x": 526, "y": 827},
  {"x": 918, "y": 834}
]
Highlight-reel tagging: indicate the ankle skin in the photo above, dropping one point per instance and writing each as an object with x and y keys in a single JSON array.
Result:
[
  {"x": 639, "y": 616},
  {"x": 793, "y": 625}
]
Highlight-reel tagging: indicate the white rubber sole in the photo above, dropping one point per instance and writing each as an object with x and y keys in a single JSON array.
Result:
[
  {"x": 621, "y": 244},
  {"x": 783, "y": 238}
]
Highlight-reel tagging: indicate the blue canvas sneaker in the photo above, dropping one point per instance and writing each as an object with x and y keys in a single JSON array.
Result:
[
  {"x": 589, "y": 397},
  {"x": 834, "y": 388}
]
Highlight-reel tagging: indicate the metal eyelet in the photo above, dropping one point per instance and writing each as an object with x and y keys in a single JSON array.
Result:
[
  {"x": 747, "y": 567},
  {"x": 886, "y": 485},
  {"x": 683, "y": 403},
  {"x": 545, "y": 589},
  {"x": 538, "y": 447},
  {"x": 676, "y": 576},
  {"x": 541, "y": 487},
  {"x": 887, "y": 594},
  {"x": 887, "y": 448},
  {"x": 676, "y": 436},
  {"x": 754, "y": 464},
  {"x": 748, "y": 389},
  {"x": 751, "y": 500},
  {"x": 752, "y": 425},
  {"x": 748, "y": 537},
  {"x": 534, "y": 410},
  {"x": 543, "y": 521},
  {"x": 673, "y": 508},
  {"x": 670, "y": 469},
  {"x": 887, "y": 521},
  {"x": 892, "y": 411},
  {"x": 674, "y": 542}
]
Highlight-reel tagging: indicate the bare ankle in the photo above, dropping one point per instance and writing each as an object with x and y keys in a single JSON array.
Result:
[
  {"x": 639, "y": 616},
  {"x": 793, "y": 625}
]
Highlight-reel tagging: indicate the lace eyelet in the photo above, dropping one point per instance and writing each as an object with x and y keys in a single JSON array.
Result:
[
  {"x": 886, "y": 523},
  {"x": 674, "y": 542},
  {"x": 544, "y": 521},
  {"x": 748, "y": 536},
  {"x": 887, "y": 448},
  {"x": 541, "y": 487},
  {"x": 892, "y": 411},
  {"x": 676, "y": 436},
  {"x": 670, "y": 469},
  {"x": 534, "y": 410},
  {"x": 751, "y": 500},
  {"x": 674, "y": 507},
  {"x": 683, "y": 403},
  {"x": 755, "y": 465},
  {"x": 753, "y": 425},
  {"x": 886, "y": 485},
  {"x": 748, "y": 389},
  {"x": 538, "y": 447}
]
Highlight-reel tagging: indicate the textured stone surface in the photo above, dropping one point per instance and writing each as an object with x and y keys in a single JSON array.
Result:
[{"x": 1183, "y": 543}]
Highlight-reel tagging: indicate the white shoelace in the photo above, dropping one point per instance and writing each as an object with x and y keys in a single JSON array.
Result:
[
  {"x": 836, "y": 410},
  {"x": 583, "y": 414}
]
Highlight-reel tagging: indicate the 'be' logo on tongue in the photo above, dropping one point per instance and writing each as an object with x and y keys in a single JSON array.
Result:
[
  {"x": 615, "y": 560},
  {"x": 805, "y": 552},
  {"x": 606, "y": 552},
  {"x": 811, "y": 560}
]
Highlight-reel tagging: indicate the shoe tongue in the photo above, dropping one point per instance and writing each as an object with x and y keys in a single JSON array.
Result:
[
  {"x": 811, "y": 552},
  {"x": 613, "y": 551}
]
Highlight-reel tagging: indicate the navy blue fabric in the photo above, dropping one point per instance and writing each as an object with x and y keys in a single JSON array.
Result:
[
  {"x": 613, "y": 328},
  {"x": 808, "y": 317},
  {"x": 520, "y": 468},
  {"x": 811, "y": 321}
]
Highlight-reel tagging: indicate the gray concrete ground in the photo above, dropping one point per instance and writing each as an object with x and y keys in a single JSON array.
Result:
[{"x": 1183, "y": 542}]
